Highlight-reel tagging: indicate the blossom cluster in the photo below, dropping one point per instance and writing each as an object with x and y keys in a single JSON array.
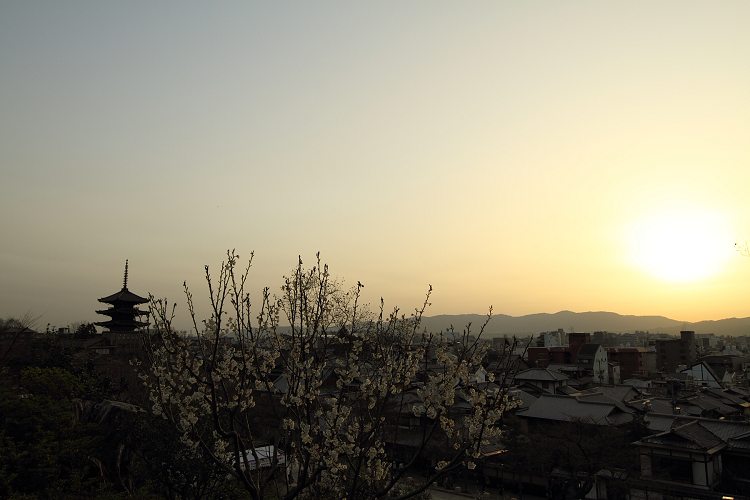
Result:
[{"x": 327, "y": 393}]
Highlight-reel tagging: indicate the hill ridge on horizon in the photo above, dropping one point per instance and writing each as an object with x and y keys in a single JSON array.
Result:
[{"x": 589, "y": 321}]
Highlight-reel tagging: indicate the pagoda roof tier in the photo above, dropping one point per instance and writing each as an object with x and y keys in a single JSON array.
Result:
[
  {"x": 123, "y": 295},
  {"x": 122, "y": 311}
]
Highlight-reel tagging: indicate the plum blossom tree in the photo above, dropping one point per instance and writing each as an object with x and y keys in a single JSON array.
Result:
[{"x": 316, "y": 401}]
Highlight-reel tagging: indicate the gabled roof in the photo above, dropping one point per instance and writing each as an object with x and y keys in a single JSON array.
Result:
[
  {"x": 570, "y": 408},
  {"x": 738, "y": 391},
  {"x": 595, "y": 397},
  {"x": 708, "y": 403},
  {"x": 527, "y": 399},
  {"x": 531, "y": 389},
  {"x": 652, "y": 405},
  {"x": 699, "y": 435},
  {"x": 588, "y": 349},
  {"x": 542, "y": 374},
  {"x": 724, "y": 397},
  {"x": 616, "y": 392},
  {"x": 741, "y": 441},
  {"x": 581, "y": 381},
  {"x": 736, "y": 434},
  {"x": 568, "y": 390},
  {"x": 660, "y": 422},
  {"x": 691, "y": 435},
  {"x": 562, "y": 368}
]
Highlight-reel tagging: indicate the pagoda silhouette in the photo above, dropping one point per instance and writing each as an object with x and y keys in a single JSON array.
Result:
[{"x": 123, "y": 327}]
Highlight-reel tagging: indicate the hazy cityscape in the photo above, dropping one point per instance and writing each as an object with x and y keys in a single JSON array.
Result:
[{"x": 374, "y": 251}]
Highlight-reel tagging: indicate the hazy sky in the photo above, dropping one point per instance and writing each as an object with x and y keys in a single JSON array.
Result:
[{"x": 531, "y": 156}]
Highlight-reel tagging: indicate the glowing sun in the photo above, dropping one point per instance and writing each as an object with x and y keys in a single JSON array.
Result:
[{"x": 681, "y": 244}]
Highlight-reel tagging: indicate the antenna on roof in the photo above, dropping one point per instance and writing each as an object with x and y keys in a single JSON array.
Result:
[{"x": 125, "y": 281}]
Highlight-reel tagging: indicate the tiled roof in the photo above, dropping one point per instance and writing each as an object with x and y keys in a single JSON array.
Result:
[
  {"x": 736, "y": 434},
  {"x": 738, "y": 391},
  {"x": 618, "y": 418},
  {"x": 123, "y": 295},
  {"x": 531, "y": 389},
  {"x": 691, "y": 435},
  {"x": 597, "y": 397},
  {"x": 568, "y": 408},
  {"x": 698, "y": 435},
  {"x": 568, "y": 389},
  {"x": 562, "y": 368},
  {"x": 727, "y": 430},
  {"x": 696, "y": 406},
  {"x": 741, "y": 441},
  {"x": 659, "y": 422},
  {"x": 527, "y": 399},
  {"x": 542, "y": 374},
  {"x": 653, "y": 405},
  {"x": 723, "y": 396},
  {"x": 711, "y": 404},
  {"x": 617, "y": 392}
]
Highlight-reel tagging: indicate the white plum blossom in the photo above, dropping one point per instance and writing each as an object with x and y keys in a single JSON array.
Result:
[{"x": 327, "y": 392}]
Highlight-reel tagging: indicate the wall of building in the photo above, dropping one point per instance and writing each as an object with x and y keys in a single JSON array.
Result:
[{"x": 632, "y": 360}]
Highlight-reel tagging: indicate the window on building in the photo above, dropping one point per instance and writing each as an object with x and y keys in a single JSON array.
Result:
[{"x": 672, "y": 469}]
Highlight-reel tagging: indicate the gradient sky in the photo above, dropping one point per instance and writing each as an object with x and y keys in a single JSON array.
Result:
[{"x": 531, "y": 156}]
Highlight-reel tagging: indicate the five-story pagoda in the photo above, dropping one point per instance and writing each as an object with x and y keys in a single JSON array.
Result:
[{"x": 124, "y": 323}]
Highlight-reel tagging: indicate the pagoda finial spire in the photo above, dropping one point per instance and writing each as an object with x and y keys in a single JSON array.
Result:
[{"x": 125, "y": 281}]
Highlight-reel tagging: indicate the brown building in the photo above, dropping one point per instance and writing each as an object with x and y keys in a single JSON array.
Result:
[
  {"x": 670, "y": 354},
  {"x": 575, "y": 341},
  {"x": 542, "y": 357},
  {"x": 632, "y": 361}
]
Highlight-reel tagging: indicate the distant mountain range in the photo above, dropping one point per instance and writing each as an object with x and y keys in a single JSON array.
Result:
[{"x": 501, "y": 324}]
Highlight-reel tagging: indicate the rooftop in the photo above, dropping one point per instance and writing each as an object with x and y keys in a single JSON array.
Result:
[
  {"x": 542, "y": 374},
  {"x": 572, "y": 408}
]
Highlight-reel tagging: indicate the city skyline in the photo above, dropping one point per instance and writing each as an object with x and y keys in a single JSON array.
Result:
[{"x": 525, "y": 156}]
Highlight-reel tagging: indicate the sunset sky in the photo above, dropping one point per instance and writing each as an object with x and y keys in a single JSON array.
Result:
[{"x": 536, "y": 157}]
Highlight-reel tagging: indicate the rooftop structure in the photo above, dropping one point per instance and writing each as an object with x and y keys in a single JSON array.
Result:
[
  {"x": 542, "y": 378},
  {"x": 590, "y": 408},
  {"x": 124, "y": 323}
]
